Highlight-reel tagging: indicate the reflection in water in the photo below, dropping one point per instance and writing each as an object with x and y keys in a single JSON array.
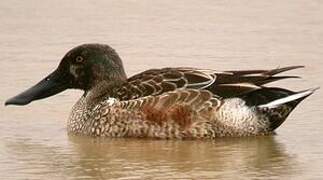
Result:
[
  {"x": 137, "y": 158},
  {"x": 27, "y": 158},
  {"x": 258, "y": 156},
  {"x": 101, "y": 158}
]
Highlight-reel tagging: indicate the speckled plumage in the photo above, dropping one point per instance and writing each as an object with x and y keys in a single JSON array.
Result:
[
  {"x": 167, "y": 103},
  {"x": 178, "y": 114}
]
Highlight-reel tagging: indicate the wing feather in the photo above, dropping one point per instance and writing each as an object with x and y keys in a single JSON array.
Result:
[{"x": 225, "y": 84}]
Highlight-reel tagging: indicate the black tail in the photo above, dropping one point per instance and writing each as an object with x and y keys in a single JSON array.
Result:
[{"x": 275, "y": 103}]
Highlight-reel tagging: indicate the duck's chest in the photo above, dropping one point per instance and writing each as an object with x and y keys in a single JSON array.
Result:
[
  {"x": 78, "y": 116},
  {"x": 103, "y": 119}
]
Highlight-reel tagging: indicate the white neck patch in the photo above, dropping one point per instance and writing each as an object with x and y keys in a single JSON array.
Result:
[{"x": 111, "y": 101}]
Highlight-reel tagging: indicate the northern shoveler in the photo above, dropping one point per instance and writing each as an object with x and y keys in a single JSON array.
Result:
[{"x": 167, "y": 103}]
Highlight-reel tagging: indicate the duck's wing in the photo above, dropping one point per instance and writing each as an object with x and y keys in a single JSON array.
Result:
[
  {"x": 157, "y": 81},
  {"x": 225, "y": 84}
]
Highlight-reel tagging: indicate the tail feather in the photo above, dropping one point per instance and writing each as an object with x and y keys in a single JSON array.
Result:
[
  {"x": 275, "y": 104},
  {"x": 297, "y": 97},
  {"x": 278, "y": 110}
]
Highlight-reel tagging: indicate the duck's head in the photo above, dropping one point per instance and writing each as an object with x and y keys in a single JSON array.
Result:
[{"x": 83, "y": 68}]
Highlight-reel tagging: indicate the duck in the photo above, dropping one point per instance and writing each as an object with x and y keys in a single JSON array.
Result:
[{"x": 165, "y": 103}]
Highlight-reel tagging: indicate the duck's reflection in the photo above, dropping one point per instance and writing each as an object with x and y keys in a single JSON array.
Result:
[
  {"x": 224, "y": 157},
  {"x": 88, "y": 158}
]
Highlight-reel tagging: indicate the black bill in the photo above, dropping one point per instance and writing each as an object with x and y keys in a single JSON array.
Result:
[{"x": 49, "y": 86}]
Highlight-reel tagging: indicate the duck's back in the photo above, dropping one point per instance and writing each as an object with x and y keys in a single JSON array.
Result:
[{"x": 225, "y": 84}]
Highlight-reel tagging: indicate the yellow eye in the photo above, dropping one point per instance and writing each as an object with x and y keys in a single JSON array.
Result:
[{"x": 79, "y": 59}]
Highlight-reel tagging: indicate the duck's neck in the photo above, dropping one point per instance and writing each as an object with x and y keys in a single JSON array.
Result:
[{"x": 101, "y": 91}]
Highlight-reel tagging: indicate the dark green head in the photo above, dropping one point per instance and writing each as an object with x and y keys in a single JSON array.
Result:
[{"x": 83, "y": 67}]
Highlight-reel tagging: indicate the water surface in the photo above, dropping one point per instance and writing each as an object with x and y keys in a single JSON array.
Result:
[{"x": 222, "y": 35}]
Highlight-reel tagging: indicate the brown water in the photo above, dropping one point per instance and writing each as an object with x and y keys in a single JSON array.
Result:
[{"x": 223, "y": 35}]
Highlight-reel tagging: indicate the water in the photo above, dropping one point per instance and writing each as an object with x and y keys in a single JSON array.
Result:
[{"x": 222, "y": 35}]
